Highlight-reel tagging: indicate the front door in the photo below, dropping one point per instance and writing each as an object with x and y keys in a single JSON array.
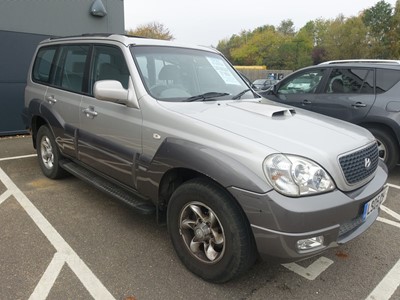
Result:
[
  {"x": 110, "y": 133},
  {"x": 300, "y": 90}
]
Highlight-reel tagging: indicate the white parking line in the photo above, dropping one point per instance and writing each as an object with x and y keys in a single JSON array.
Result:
[
  {"x": 49, "y": 277},
  {"x": 389, "y": 284},
  {"x": 386, "y": 288},
  {"x": 64, "y": 252},
  {"x": 17, "y": 157},
  {"x": 313, "y": 270},
  {"x": 394, "y": 186},
  {"x": 391, "y": 212}
]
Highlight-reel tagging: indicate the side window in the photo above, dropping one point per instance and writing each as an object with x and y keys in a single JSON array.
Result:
[
  {"x": 306, "y": 82},
  {"x": 70, "y": 71},
  {"x": 43, "y": 64},
  {"x": 351, "y": 81},
  {"x": 109, "y": 64},
  {"x": 386, "y": 79}
]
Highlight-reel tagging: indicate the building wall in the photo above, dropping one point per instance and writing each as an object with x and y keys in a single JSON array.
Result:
[
  {"x": 60, "y": 17},
  {"x": 23, "y": 24}
]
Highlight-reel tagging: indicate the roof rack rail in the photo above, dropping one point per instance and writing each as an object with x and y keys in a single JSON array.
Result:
[
  {"x": 375, "y": 61},
  {"x": 83, "y": 35}
]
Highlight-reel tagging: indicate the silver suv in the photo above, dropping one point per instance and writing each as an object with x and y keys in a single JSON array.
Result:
[{"x": 174, "y": 130}]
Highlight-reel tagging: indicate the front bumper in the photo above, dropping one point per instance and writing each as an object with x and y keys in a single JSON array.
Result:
[{"x": 278, "y": 221}]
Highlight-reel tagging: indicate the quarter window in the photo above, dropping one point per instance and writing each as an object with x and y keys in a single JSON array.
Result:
[
  {"x": 386, "y": 79},
  {"x": 43, "y": 64}
]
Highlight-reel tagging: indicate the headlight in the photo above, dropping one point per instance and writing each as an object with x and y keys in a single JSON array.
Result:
[{"x": 296, "y": 176}]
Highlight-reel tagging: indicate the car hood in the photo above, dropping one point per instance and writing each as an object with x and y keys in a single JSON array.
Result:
[{"x": 279, "y": 127}]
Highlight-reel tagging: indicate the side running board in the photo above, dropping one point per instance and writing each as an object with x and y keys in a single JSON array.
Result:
[{"x": 135, "y": 201}]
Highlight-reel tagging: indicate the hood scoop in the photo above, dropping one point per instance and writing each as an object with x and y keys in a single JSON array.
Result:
[{"x": 268, "y": 110}]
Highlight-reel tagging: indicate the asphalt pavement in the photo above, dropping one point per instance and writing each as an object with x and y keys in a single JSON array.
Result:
[{"x": 63, "y": 239}]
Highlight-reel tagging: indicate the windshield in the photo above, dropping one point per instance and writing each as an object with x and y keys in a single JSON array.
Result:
[{"x": 181, "y": 74}]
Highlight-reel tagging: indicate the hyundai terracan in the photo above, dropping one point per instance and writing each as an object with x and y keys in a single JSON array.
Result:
[{"x": 174, "y": 130}]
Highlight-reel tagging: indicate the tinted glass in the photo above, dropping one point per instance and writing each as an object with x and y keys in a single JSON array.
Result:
[
  {"x": 109, "y": 64},
  {"x": 386, "y": 79},
  {"x": 351, "y": 81},
  {"x": 43, "y": 63},
  {"x": 70, "y": 72}
]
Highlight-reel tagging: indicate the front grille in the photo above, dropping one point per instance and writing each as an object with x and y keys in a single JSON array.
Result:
[
  {"x": 356, "y": 166},
  {"x": 350, "y": 225}
]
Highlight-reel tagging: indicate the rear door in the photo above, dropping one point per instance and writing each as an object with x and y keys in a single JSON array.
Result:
[
  {"x": 63, "y": 96},
  {"x": 110, "y": 133},
  {"x": 348, "y": 94}
]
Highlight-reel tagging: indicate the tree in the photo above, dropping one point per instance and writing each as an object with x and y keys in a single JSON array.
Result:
[
  {"x": 286, "y": 27},
  {"x": 378, "y": 20},
  {"x": 394, "y": 34},
  {"x": 346, "y": 38},
  {"x": 152, "y": 30},
  {"x": 375, "y": 33}
]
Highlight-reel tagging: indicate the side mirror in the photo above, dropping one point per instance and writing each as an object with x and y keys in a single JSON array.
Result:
[
  {"x": 274, "y": 89},
  {"x": 113, "y": 91},
  {"x": 110, "y": 90}
]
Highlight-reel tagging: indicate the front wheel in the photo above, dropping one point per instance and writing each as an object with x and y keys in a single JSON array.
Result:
[
  {"x": 387, "y": 147},
  {"x": 209, "y": 231},
  {"x": 48, "y": 154}
]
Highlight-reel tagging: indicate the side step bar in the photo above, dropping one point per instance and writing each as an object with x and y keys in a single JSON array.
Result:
[{"x": 136, "y": 202}]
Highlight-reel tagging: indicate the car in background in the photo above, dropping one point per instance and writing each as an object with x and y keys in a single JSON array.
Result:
[
  {"x": 264, "y": 84},
  {"x": 364, "y": 92}
]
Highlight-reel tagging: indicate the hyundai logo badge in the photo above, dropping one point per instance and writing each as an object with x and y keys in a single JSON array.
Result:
[{"x": 367, "y": 162}]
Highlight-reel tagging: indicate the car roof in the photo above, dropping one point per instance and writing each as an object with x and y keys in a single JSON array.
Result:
[
  {"x": 374, "y": 61},
  {"x": 352, "y": 65},
  {"x": 123, "y": 39}
]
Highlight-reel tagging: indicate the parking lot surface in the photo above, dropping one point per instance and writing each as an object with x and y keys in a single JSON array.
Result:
[{"x": 63, "y": 239}]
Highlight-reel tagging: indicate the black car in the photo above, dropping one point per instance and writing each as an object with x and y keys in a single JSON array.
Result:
[{"x": 366, "y": 93}]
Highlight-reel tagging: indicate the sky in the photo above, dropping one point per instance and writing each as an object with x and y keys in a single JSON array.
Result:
[{"x": 206, "y": 22}]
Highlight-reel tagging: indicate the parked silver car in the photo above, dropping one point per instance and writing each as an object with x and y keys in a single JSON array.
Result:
[{"x": 174, "y": 130}]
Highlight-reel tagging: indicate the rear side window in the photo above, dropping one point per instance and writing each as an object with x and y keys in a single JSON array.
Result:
[
  {"x": 43, "y": 63},
  {"x": 71, "y": 66},
  {"x": 351, "y": 81},
  {"x": 386, "y": 79}
]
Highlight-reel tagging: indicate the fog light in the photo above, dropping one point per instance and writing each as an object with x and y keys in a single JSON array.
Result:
[{"x": 311, "y": 243}]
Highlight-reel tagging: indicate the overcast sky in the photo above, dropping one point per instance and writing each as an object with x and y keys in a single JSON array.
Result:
[{"x": 206, "y": 22}]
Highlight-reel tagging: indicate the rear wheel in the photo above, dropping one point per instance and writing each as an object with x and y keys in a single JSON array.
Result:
[
  {"x": 48, "y": 154},
  {"x": 387, "y": 146},
  {"x": 209, "y": 231}
]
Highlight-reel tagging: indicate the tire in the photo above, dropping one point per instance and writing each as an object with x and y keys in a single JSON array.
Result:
[
  {"x": 48, "y": 154},
  {"x": 209, "y": 231},
  {"x": 388, "y": 147}
]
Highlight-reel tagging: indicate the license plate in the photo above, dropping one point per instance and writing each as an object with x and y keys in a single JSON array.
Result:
[{"x": 375, "y": 203}]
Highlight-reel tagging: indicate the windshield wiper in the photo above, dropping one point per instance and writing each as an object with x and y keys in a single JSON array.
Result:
[
  {"x": 206, "y": 96},
  {"x": 238, "y": 96}
]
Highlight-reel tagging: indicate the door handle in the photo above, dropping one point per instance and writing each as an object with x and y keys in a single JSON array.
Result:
[
  {"x": 90, "y": 112},
  {"x": 306, "y": 102},
  {"x": 51, "y": 99},
  {"x": 359, "y": 104}
]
